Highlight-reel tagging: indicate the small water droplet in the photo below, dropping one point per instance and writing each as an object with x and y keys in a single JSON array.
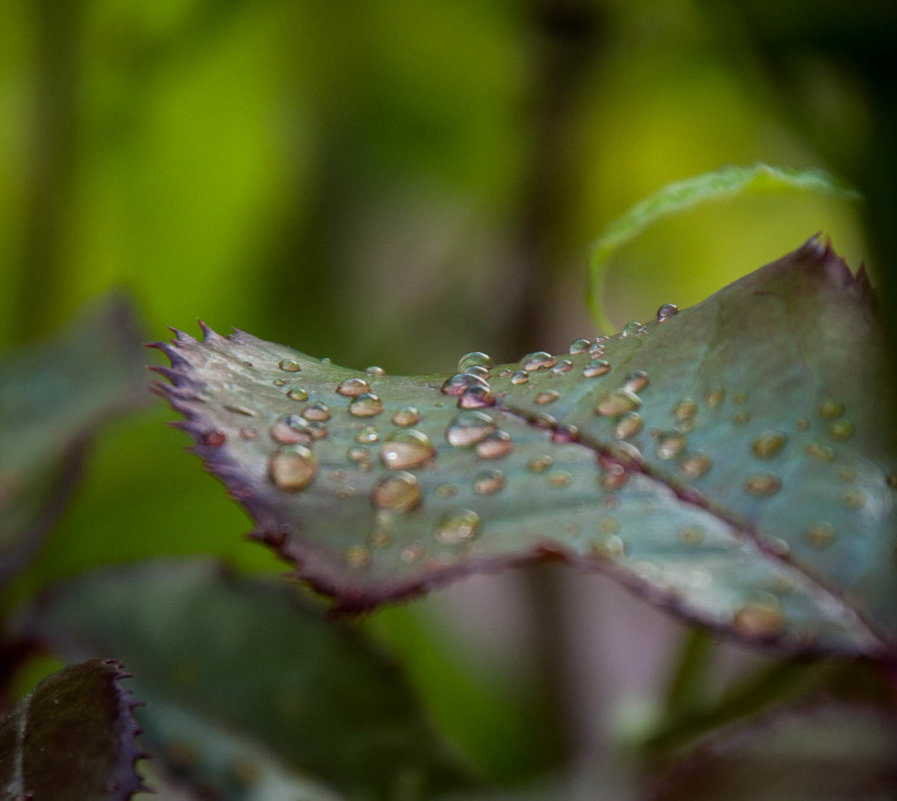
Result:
[
  {"x": 318, "y": 411},
  {"x": 546, "y": 397},
  {"x": 495, "y": 445},
  {"x": 563, "y": 366},
  {"x": 358, "y": 453},
  {"x": 236, "y": 408},
  {"x": 289, "y": 365},
  {"x": 628, "y": 425},
  {"x": 696, "y": 464},
  {"x": 560, "y": 479},
  {"x": 248, "y": 432},
  {"x": 685, "y": 409},
  {"x": 352, "y": 387},
  {"x": 520, "y": 377},
  {"x": 670, "y": 445},
  {"x": 367, "y": 404},
  {"x": 821, "y": 535},
  {"x": 595, "y": 368},
  {"x": 610, "y": 547},
  {"x": 636, "y": 381},
  {"x": 406, "y": 416},
  {"x": 821, "y": 452},
  {"x": 715, "y": 396},
  {"x": 691, "y": 535},
  {"x": 761, "y": 620},
  {"x": 406, "y": 448},
  {"x": 297, "y": 394},
  {"x": 544, "y": 420},
  {"x": 476, "y": 397},
  {"x": 831, "y": 408},
  {"x": 763, "y": 485},
  {"x": 468, "y": 428},
  {"x": 397, "y": 491},
  {"x": 617, "y": 402},
  {"x": 279, "y": 382},
  {"x": 614, "y": 476},
  {"x": 290, "y": 430},
  {"x": 769, "y": 444},
  {"x": 854, "y": 499},
  {"x": 292, "y": 471},
  {"x": 457, "y": 528},
  {"x": 841, "y": 429},
  {"x": 579, "y": 346},
  {"x": 539, "y": 464},
  {"x": 357, "y": 556},
  {"x": 375, "y": 372},
  {"x": 214, "y": 438},
  {"x": 460, "y": 382},
  {"x": 634, "y": 329},
  {"x": 487, "y": 482},
  {"x": 540, "y": 360},
  {"x": 566, "y": 432},
  {"x": 475, "y": 358},
  {"x": 666, "y": 311}
]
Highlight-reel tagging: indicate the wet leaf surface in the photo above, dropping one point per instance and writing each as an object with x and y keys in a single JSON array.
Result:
[
  {"x": 250, "y": 691},
  {"x": 734, "y": 461},
  {"x": 72, "y": 739},
  {"x": 53, "y": 396}
]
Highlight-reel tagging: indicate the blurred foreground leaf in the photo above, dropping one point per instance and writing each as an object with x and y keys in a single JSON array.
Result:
[
  {"x": 53, "y": 396},
  {"x": 250, "y": 691},
  {"x": 72, "y": 739},
  {"x": 734, "y": 462}
]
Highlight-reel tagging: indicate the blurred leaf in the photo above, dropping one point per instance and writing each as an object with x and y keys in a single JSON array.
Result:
[
  {"x": 72, "y": 739},
  {"x": 52, "y": 398},
  {"x": 249, "y": 690},
  {"x": 677, "y": 197},
  {"x": 835, "y": 752},
  {"x": 734, "y": 462}
]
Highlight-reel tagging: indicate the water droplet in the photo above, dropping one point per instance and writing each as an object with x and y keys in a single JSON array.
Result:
[
  {"x": 476, "y": 397},
  {"x": 691, "y": 535},
  {"x": 821, "y": 535},
  {"x": 279, "y": 382},
  {"x": 666, "y": 311},
  {"x": 636, "y": 381},
  {"x": 769, "y": 444},
  {"x": 831, "y": 408},
  {"x": 291, "y": 430},
  {"x": 357, "y": 556},
  {"x": 540, "y": 360},
  {"x": 398, "y": 491},
  {"x": 317, "y": 429},
  {"x": 479, "y": 371},
  {"x": 368, "y": 435},
  {"x": 495, "y": 445},
  {"x": 316, "y": 411},
  {"x": 633, "y": 329},
  {"x": 292, "y": 471},
  {"x": 457, "y": 528},
  {"x": 579, "y": 346},
  {"x": 367, "y": 404},
  {"x": 854, "y": 499},
  {"x": 236, "y": 408},
  {"x": 715, "y": 396},
  {"x": 297, "y": 394},
  {"x": 560, "y": 479},
  {"x": 685, "y": 409},
  {"x": 487, "y": 482},
  {"x": 610, "y": 547},
  {"x": 358, "y": 453},
  {"x": 460, "y": 383},
  {"x": 740, "y": 417},
  {"x": 406, "y": 416},
  {"x": 289, "y": 365},
  {"x": 539, "y": 464},
  {"x": 563, "y": 366},
  {"x": 546, "y": 397},
  {"x": 248, "y": 432},
  {"x": 544, "y": 420},
  {"x": 821, "y": 452},
  {"x": 520, "y": 377},
  {"x": 406, "y": 448},
  {"x": 617, "y": 402},
  {"x": 761, "y": 620},
  {"x": 763, "y": 485},
  {"x": 841, "y": 429},
  {"x": 628, "y": 425},
  {"x": 670, "y": 445},
  {"x": 696, "y": 464},
  {"x": 352, "y": 387},
  {"x": 468, "y": 428},
  {"x": 214, "y": 438},
  {"x": 565, "y": 433},
  {"x": 375, "y": 372},
  {"x": 475, "y": 358},
  {"x": 595, "y": 368},
  {"x": 614, "y": 476}
]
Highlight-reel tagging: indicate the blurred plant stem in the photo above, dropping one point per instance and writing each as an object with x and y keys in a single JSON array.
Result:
[{"x": 688, "y": 682}]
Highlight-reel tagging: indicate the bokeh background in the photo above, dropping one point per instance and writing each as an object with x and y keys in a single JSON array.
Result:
[{"x": 396, "y": 183}]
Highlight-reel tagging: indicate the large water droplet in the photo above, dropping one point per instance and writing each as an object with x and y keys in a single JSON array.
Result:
[
  {"x": 396, "y": 491},
  {"x": 769, "y": 444},
  {"x": 579, "y": 346},
  {"x": 628, "y": 425},
  {"x": 291, "y": 430},
  {"x": 457, "y": 528},
  {"x": 634, "y": 329},
  {"x": 540, "y": 360},
  {"x": 468, "y": 428},
  {"x": 374, "y": 371},
  {"x": 367, "y": 404},
  {"x": 406, "y": 448},
  {"x": 666, "y": 311},
  {"x": 636, "y": 381},
  {"x": 479, "y": 371},
  {"x": 406, "y": 416},
  {"x": 696, "y": 464},
  {"x": 487, "y": 482},
  {"x": 763, "y": 485},
  {"x": 289, "y": 365},
  {"x": 475, "y": 358},
  {"x": 316, "y": 411},
  {"x": 595, "y": 368},
  {"x": 563, "y": 366},
  {"x": 495, "y": 445},
  {"x": 352, "y": 387},
  {"x": 520, "y": 377},
  {"x": 292, "y": 471},
  {"x": 546, "y": 397},
  {"x": 461, "y": 382},
  {"x": 476, "y": 397},
  {"x": 617, "y": 402}
]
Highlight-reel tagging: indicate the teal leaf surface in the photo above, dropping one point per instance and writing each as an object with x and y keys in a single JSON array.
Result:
[
  {"x": 734, "y": 462},
  {"x": 72, "y": 739},
  {"x": 249, "y": 690}
]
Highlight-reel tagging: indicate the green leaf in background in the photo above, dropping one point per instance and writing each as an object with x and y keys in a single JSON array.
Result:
[
  {"x": 249, "y": 690},
  {"x": 836, "y": 752},
  {"x": 734, "y": 462},
  {"x": 675, "y": 198},
  {"x": 53, "y": 396},
  {"x": 72, "y": 739}
]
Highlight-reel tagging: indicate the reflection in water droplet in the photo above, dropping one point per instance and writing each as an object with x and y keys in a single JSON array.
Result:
[
  {"x": 595, "y": 368},
  {"x": 636, "y": 381},
  {"x": 666, "y": 311},
  {"x": 476, "y": 397},
  {"x": 831, "y": 408},
  {"x": 289, "y": 365},
  {"x": 565, "y": 433},
  {"x": 375, "y": 371},
  {"x": 696, "y": 464},
  {"x": 821, "y": 535},
  {"x": 214, "y": 438},
  {"x": 406, "y": 416},
  {"x": 487, "y": 482},
  {"x": 475, "y": 358},
  {"x": 539, "y": 464},
  {"x": 468, "y": 428},
  {"x": 297, "y": 394},
  {"x": 548, "y": 396},
  {"x": 670, "y": 445},
  {"x": 461, "y": 382},
  {"x": 760, "y": 620},
  {"x": 614, "y": 476},
  {"x": 763, "y": 485},
  {"x": 406, "y": 448},
  {"x": 560, "y": 479},
  {"x": 769, "y": 444},
  {"x": 617, "y": 402},
  {"x": 540, "y": 360},
  {"x": 579, "y": 346},
  {"x": 634, "y": 329},
  {"x": 628, "y": 425},
  {"x": 563, "y": 366},
  {"x": 357, "y": 556},
  {"x": 685, "y": 409},
  {"x": 397, "y": 491},
  {"x": 291, "y": 430},
  {"x": 352, "y": 387},
  {"x": 457, "y": 528},
  {"x": 292, "y": 471},
  {"x": 367, "y": 404},
  {"x": 316, "y": 411},
  {"x": 841, "y": 429},
  {"x": 367, "y": 435},
  {"x": 495, "y": 445},
  {"x": 715, "y": 396}
]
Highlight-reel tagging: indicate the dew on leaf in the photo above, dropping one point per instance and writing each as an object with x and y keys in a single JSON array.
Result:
[
  {"x": 821, "y": 452},
  {"x": 546, "y": 397},
  {"x": 847, "y": 474},
  {"x": 610, "y": 547},
  {"x": 317, "y": 429},
  {"x": 636, "y": 381},
  {"x": 560, "y": 479},
  {"x": 477, "y": 396},
  {"x": 279, "y": 382},
  {"x": 367, "y": 404},
  {"x": 761, "y": 620},
  {"x": 457, "y": 528},
  {"x": 579, "y": 346},
  {"x": 475, "y": 358},
  {"x": 841, "y": 429},
  {"x": 352, "y": 387},
  {"x": 289, "y": 365},
  {"x": 685, "y": 409},
  {"x": 358, "y": 453},
  {"x": 468, "y": 428},
  {"x": 214, "y": 438},
  {"x": 406, "y": 416},
  {"x": 566, "y": 432},
  {"x": 563, "y": 366},
  {"x": 290, "y": 430},
  {"x": 715, "y": 396},
  {"x": 460, "y": 382},
  {"x": 628, "y": 425},
  {"x": 634, "y": 329},
  {"x": 539, "y": 464},
  {"x": 802, "y": 424},
  {"x": 318, "y": 411},
  {"x": 446, "y": 490},
  {"x": 495, "y": 445},
  {"x": 367, "y": 435},
  {"x": 821, "y": 535},
  {"x": 540, "y": 360},
  {"x": 297, "y": 394},
  {"x": 608, "y": 525},
  {"x": 544, "y": 420},
  {"x": 763, "y": 485},
  {"x": 595, "y": 368},
  {"x": 670, "y": 445},
  {"x": 696, "y": 464},
  {"x": 666, "y": 311},
  {"x": 374, "y": 371},
  {"x": 617, "y": 402},
  {"x": 411, "y": 553},
  {"x": 399, "y": 492},
  {"x": 406, "y": 448},
  {"x": 487, "y": 482},
  {"x": 769, "y": 444},
  {"x": 520, "y": 377},
  {"x": 292, "y": 471},
  {"x": 831, "y": 408}
]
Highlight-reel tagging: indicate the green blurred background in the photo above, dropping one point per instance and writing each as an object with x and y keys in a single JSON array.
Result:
[{"x": 395, "y": 183}]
